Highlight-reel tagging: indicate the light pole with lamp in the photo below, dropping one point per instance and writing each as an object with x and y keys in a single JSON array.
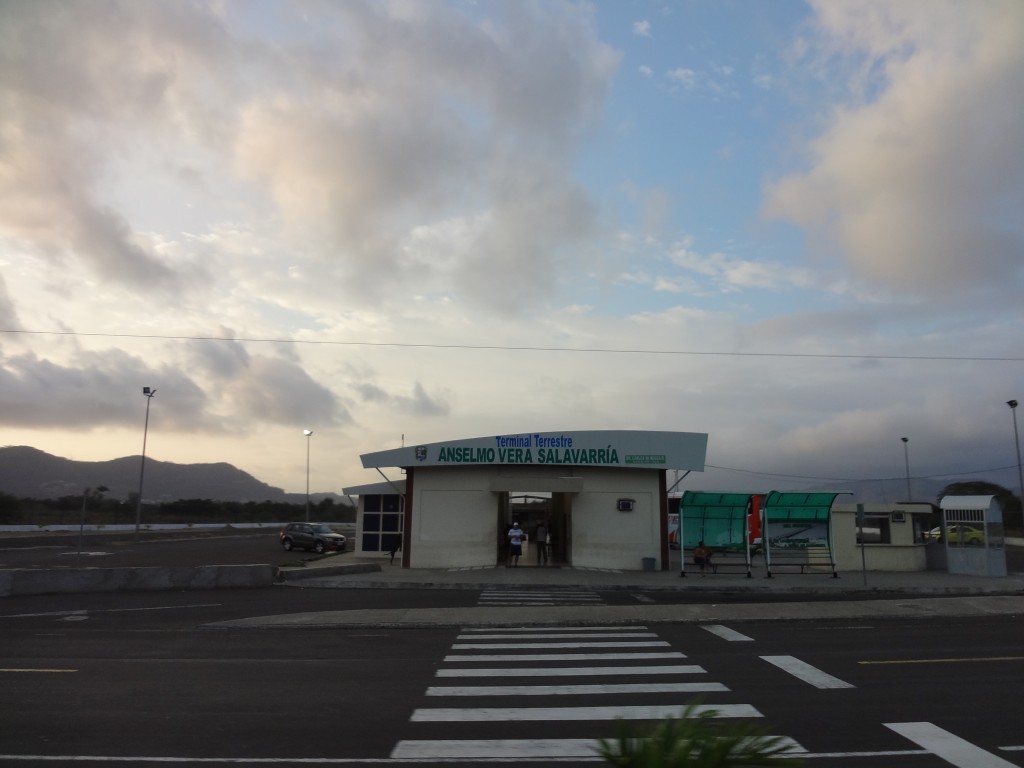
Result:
[
  {"x": 906, "y": 461},
  {"x": 142, "y": 464},
  {"x": 1016, "y": 441},
  {"x": 308, "y": 433}
]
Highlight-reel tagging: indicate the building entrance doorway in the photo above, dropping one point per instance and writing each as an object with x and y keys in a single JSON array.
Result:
[{"x": 541, "y": 515}]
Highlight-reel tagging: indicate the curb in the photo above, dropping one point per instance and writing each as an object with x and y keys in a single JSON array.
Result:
[
  {"x": 791, "y": 591},
  {"x": 300, "y": 574},
  {"x": 596, "y": 615}
]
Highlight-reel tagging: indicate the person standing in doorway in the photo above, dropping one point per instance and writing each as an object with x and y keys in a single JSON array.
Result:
[
  {"x": 515, "y": 544},
  {"x": 542, "y": 543}
]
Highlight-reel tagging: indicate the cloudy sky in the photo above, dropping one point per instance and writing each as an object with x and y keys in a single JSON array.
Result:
[{"x": 796, "y": 226}]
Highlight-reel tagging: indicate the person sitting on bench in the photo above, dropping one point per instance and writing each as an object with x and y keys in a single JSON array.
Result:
[{"x": 701, "y": 557}]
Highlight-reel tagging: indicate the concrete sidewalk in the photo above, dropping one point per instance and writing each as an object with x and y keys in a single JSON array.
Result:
[
  {"x": 802, "y": 596},
  {"x": 355, "y": 573}
]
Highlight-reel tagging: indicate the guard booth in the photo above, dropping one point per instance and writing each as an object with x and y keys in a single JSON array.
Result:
[
  {"x": 972, "y": 530},
  {"x": 798, "y": 532}
]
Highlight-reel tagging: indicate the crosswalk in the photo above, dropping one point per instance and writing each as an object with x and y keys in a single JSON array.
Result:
[
  {"x": 487, "y": 688},
  {"x": 512, "y": 597}
]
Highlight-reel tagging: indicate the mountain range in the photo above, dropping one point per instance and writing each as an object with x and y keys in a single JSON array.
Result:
[
  {"x": 27, "y": 472},
  {"x": 30, "y": 473}
]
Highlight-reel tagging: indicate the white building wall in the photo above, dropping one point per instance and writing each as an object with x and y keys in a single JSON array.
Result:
[
  {"x": 454, "y": 518},
  {"x": 603, "y": 537},
  {"x": 454, "y": 521}
]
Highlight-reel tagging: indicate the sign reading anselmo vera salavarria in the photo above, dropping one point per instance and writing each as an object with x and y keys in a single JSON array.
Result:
[{"x": 588, "y": 448}]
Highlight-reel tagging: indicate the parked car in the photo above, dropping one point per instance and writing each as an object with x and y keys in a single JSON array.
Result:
[
  {"x": 318, "y": 537},
  {"x": 958, "y": 534}
]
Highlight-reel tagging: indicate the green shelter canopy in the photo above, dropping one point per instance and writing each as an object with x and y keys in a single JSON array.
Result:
[
  {"x": 718, "y": 519},
  {"x": 799, "y": 506}
]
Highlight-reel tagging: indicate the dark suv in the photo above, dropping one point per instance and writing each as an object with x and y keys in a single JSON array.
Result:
[{"x": 316, "y": 536}]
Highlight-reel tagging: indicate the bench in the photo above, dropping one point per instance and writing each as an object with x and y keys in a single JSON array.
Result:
[
  {"x": 805, "y": 559},
  {"x": 721, "y": 558}
]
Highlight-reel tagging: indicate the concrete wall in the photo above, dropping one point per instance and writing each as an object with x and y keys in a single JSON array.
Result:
[{"x": 902, "y": 554}]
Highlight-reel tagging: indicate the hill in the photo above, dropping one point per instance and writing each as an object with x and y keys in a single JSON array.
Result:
[{"x": 30, "y": 473}]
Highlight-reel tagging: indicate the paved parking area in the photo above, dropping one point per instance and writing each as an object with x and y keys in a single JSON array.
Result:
[{"x": 173, "y": 548}]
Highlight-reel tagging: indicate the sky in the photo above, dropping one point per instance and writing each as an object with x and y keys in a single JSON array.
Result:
[{"x": 795, "y": 226}]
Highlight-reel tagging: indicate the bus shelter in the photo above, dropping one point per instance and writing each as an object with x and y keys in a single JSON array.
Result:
[
  {"x": 720, "y": 520},
  {"x": 798, "y": 531}
]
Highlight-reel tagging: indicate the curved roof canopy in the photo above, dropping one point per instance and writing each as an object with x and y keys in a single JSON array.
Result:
[{"x": 799, "y": 506}]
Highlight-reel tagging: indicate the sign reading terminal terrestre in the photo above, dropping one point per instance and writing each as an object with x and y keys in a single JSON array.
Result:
[
  {"x": 597, "y": 448},
  {"x": 538, "y": 449},
  {"x": 470, "y": 455}
]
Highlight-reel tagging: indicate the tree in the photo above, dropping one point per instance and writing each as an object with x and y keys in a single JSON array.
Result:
[
  {"x": 9, "y": 507},
  {"x": 696, "y": 740},
  {"x": 1009, "y": 502}
]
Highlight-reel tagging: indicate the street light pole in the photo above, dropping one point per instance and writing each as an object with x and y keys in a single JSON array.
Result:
[
  {"x": 906, "y": 460},
  {"x": 308, "y": 433},
  {"x": 142, "y": 464},
  {"x": 1016, "y": 441}
]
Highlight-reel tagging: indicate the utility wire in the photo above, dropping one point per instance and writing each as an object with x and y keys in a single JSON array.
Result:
[
  {"x": 590, "y": 350},
  {"x": 511, "y": 348},
  {"x": 901, "y": 478}
]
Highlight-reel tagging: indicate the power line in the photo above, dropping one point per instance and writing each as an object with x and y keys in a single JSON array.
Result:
[
  {"x": 512, "y": 348},
  {"x": 862, "y": 480}
]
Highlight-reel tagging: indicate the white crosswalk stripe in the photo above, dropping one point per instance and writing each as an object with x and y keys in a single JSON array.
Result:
[
  {"x": 660, "y": 670},
  {"x": 588, "y": 644},
  {"x": 563, "y": 714},
  {"x": 572, "y": 690},
  {"x": 521, "y": 597},
  {"x": 650, "y": 690},
  {"x": 564, "y": 656}
]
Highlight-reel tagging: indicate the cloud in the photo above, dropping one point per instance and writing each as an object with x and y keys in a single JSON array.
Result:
[
  {"x": 94, "y": 393},
  {"x": 223, "y": 360},
  {"x": 8, "y": 316},
  {"x": 276, "y": 391},
  {"x": 419, "y": 403},
  {"x": 642, "y": 28},
  {"x": 916, "y": 176},
  {"x": 682, "y": 77},
  {"x": 727, "y": 273},
  {"x": 66, "y": 115},
  {"x": 442, "y": 133}
]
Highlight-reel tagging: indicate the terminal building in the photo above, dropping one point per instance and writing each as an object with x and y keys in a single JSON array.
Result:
[
  {"x": 602, "y": 498},
  {"x": 601, "y": 494}
]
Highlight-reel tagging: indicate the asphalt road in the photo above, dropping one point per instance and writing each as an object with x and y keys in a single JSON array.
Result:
[{"x": 139, "y": 679}]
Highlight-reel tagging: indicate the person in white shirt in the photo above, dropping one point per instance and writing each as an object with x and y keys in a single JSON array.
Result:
[{"x": 515, "y": 541}]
